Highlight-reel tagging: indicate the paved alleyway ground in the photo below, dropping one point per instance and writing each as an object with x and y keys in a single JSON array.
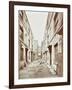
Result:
[{"x": 36, "y": 69}]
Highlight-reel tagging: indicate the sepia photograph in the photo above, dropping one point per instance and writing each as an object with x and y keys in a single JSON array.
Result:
[
  {"x": 40, "y": 50},
  {"x": 39, "y": 44}
]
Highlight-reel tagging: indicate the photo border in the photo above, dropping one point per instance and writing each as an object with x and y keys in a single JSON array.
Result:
[{"x": 11, "y": 43}]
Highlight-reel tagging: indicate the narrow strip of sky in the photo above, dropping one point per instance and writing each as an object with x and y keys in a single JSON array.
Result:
[{"x": 37, "y": 22}]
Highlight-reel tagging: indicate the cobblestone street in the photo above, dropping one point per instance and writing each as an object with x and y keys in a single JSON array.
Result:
[{"x": 36, "y": 69}]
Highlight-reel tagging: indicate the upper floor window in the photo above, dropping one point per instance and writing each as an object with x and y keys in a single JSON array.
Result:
[
  {"x": 56, "y": 14},
  {"x": 21, "y": 14},
  {"x": 55, "y": 21}
]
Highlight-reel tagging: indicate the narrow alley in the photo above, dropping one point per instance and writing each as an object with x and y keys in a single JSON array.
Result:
[
  {"x": 36, "y": 69},
  {"x": 40, "y": 44}
]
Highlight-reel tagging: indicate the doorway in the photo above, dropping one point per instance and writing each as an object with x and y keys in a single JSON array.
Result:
[
  {"x": 26, "y": 53},
  {"x": 50, "y": 50},
  {"x": 56, "y": 52}
]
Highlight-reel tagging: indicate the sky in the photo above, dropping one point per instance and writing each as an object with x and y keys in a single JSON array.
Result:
[{"x": 37, "y": 22}]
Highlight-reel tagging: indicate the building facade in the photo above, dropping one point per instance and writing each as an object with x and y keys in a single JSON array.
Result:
[
  {"x": 35, "y": 49},
  {"x": 25, "y": 40},
  {"x": 53, "y": 42}
]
